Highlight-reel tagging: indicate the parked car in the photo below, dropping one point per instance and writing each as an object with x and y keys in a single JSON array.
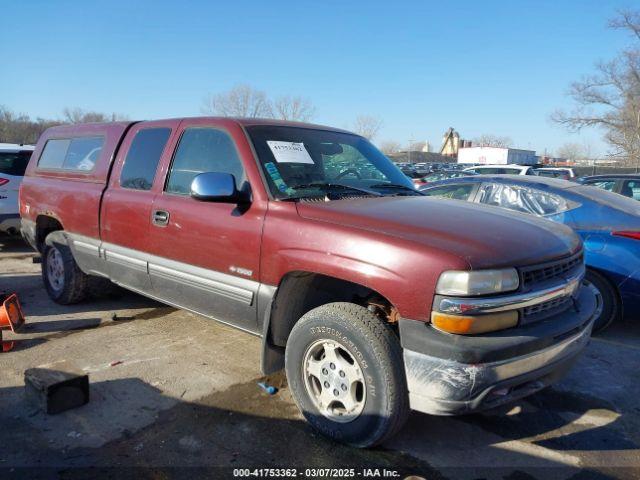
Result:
[
  {"x": 501, "y": 169},
  {"x": 627, "y": 185},
  {"x": 608, "y": 223},
  {"x": 13, "y": 162},
  {"x": 373, "y": 298},
  {"x": 440, "y": 175},
  {"x": 556, "y": 172}
]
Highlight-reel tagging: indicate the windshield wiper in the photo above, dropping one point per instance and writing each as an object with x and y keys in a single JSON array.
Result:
[
  {"x": 334, "y": 186},
  {"x": 396, "y": 186}
]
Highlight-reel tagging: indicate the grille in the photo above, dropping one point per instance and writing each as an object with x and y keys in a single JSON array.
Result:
[
  {"x": 547, "y": 307},
  {"x": 549, "y": 271}
]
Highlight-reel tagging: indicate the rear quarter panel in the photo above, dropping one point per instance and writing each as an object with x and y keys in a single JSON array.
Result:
[{"x": 71, "y": 197}]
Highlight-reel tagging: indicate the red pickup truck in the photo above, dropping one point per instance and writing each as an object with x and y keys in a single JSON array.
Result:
[{"x": 373, "y": 298}]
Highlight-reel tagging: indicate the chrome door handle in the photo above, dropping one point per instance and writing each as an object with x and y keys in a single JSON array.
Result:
[{"x": 160, "y": 218}]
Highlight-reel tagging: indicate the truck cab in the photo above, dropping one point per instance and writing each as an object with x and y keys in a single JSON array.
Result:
[{"x": 374, "y": 298}]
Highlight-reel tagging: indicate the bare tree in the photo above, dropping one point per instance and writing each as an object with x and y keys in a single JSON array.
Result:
[
  {"x": 240, "y": 101},
  {"x": 489, "y": 140},
  {"x": 417, "y": 146},
  {"x": 575, "y": 152},
  {"x": 368, "y": 126},
  {"x": 293, "y": 108},
  {"x": 389, "y": 147},
  {"x": 78, "y": 115},
  {"x": 610, "y": 98}
]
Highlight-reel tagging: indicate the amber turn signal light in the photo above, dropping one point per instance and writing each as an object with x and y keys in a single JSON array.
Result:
[{"x": 468, "y": 325}]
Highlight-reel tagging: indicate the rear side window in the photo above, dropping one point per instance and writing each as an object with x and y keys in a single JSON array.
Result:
[
  {"x": 14, "y": 163},
  {"x": 608, "y": 185},
  {"x": 54, "y": 153},
  {"x": 142, "y": 159},
  {"x": 79, "y": 154},
  {"x": 630, "y": 188},
  {"x": 203, "y": 150}
]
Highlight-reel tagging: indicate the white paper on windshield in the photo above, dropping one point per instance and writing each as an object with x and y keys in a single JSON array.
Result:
[{"x": 289, "y": 152}]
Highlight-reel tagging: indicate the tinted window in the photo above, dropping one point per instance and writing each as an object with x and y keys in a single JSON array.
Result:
[
  {"x": 79, "y": 153},
  {"x": 14, "y": 163},
  {"x": 607, "y": 185},
  {"x": 54, "y": 153},
  {"x": 455, "y": 192},
  {"x": 522, "y": 199},
  {"x": 630, "y": 188},
  {"x": 203, "y": 150},
  {"x": 142, "y": 158}
]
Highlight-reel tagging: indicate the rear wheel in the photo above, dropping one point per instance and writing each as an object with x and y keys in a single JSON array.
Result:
[
  {"x": 608, "y": 304},
  {"x": 64, "y": 281},
  {"x": 345, "y": 371}
]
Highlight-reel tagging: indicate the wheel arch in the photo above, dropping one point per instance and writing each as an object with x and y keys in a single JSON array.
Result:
[
  {"x": 302, "y": 291},
  {"x": 46, "y": 224}
]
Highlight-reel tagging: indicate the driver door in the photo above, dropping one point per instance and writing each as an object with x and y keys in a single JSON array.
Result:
[{"x": 206, "y": 255}]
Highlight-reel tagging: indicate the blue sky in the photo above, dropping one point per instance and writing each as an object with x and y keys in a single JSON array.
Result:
[{"x": 423, "y": 66}]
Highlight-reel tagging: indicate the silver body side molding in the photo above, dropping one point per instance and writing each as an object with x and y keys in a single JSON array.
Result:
[{"x": 227, "y": 298}]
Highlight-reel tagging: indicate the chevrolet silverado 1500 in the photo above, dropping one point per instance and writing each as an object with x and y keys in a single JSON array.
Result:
[{"x": 373, "y": 298}]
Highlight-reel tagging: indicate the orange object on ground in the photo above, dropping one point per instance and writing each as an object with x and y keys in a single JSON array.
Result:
[
  {"x": 11, "y": 315},
  {"x": 5, "y": 346}
]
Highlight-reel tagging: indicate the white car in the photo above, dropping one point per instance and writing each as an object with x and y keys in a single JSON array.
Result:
[
  {"x": 556, "y": 172},
  {"x": 501, "y": 169},
  {"x": 13, "y": 162}
]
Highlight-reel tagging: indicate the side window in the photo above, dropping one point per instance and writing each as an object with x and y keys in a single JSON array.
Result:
[
  {"x": 83, "y": 153},
  {"x": 631, "y": 189},
  {"x": 522, "y": 199},
  {"x": 455, "y": 192},
  {"x": 201, "y": 150},
  {"x": 53, "y": 154},
  {"x": 80, "y": 153},
  {"x": 142, "y": 159},
  {"x": 607, "y": 185}
]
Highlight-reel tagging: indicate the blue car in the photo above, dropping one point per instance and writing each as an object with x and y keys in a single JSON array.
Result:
[{"x": 608, "y": 223}]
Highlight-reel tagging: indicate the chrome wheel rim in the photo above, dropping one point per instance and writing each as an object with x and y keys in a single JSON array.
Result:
[
  {"x": 55, "y": 269},
  {"x": 334, "y": 381},
  {"x": 599, "y": 300}
]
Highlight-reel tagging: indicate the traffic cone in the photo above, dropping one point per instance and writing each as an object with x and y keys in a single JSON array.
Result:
[{"x": 11, "y": 316}]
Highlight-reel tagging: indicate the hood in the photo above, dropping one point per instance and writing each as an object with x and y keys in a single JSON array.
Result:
[{"x": 484, "y": 236}]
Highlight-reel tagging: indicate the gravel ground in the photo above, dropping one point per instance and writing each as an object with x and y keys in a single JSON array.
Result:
[{"x": 174, "y": 395}]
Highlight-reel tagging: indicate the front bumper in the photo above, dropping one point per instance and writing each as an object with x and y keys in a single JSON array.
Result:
[{"x": 453, "y": 374}]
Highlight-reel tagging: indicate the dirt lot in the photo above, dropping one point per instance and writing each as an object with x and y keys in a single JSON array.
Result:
[{"x": 182, "y": 393}]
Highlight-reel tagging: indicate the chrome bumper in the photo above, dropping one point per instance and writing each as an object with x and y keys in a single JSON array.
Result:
[{"x": 515, "y": 301}]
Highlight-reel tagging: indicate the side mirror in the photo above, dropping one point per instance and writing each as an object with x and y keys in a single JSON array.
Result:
[{"x": 215, "y": 187}]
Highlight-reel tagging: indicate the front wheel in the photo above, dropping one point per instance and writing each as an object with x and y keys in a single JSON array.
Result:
[
  {"x": 345, "y": 371},
  {"x": 608, "y": 304}
]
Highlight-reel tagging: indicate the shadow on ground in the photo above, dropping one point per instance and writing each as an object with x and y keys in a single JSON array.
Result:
[{"x": 131, "y": 430}]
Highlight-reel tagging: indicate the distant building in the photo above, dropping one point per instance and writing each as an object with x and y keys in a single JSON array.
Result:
[
  {"x": 496, "y": 156},
  {"x": 451, "y": 143}
]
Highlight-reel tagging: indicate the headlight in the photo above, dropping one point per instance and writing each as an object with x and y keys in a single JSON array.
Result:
[{"x": 479, "y": 282}]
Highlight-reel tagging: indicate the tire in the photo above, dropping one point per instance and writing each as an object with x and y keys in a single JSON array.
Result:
[
  {"x": 609, "y": 306},
  {"x": 65, "y": 283},
  {"x": 345, "y": 333}
]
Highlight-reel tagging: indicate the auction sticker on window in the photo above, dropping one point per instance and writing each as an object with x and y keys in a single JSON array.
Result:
[{"x": 289, "y": 152}]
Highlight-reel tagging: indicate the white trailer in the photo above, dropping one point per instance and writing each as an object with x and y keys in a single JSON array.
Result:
[{"x": 496, "y": 156}]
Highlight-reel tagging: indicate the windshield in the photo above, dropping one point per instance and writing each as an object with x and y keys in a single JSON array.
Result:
[
  {"x": 14, "y": 163},
  {"x": 304, "y": 162}
]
